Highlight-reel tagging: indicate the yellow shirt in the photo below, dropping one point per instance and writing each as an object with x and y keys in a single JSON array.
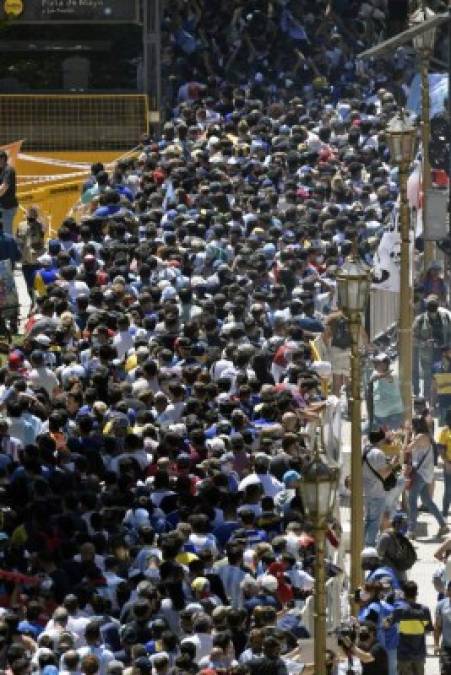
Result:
[
  {"x": 443, "y": 383},
  {"x": 445, "y": 440}
]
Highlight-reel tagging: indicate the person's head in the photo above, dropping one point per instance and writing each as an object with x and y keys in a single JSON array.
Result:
[
  {"x": 3, "y": 159},
  {"x": 400, "y": 522},
  {"x": 410, "y": 589},
  {"x": 92, "y": 633},
  {"x": 256, "y": 640},
  {"x": 382, "y": 362},
  {"x": 434, "y": 269},
  {"x": 90, "y": 664},
  {"x": 160, "y": 663},
  {"x": 271, "y": 647},
  {"x": 369, "y": 558},
  {"x": 432, "y": 305},
  {"x": 419, "y": 425},
  {"x": 376, "y": 437},
  {"x": 71, "y": 660}
]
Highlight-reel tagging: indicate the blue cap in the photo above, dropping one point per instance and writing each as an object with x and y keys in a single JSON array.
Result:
[{"x": 290, "y": 476}]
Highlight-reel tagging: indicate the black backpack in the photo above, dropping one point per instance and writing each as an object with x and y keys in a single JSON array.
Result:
[
  {"x": 404, "y": 556},
  {"x": 341, "y": 336}
]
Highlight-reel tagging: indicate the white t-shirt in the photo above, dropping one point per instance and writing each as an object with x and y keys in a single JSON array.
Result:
[
  {"x": 426, "y": 457},
  {"x": 372, "y": 485},
  {"x": 43, "y": 377}
]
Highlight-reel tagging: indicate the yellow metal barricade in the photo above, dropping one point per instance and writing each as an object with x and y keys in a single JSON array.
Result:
[{"x": 54, "y": 202}]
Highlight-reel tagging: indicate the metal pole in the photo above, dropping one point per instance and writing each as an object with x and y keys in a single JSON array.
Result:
[
  {"x": 356, "y": 460},
  {"x": 152, "y": 85},
  {"x": 320, "y": 602},
  {"x": 405, "y": 296},
  {"x": 429, "y": 246}
]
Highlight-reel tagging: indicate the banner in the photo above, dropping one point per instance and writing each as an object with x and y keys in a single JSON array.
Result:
[{"x": 387, "y": 262}]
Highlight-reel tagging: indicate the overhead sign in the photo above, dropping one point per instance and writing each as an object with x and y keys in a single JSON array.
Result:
[{"x": 69, "y": 11}]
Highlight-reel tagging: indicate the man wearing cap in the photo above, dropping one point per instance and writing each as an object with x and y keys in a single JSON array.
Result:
[
  {"x": 40, "y": 375},
  {"x": 431, "y": 332},
  {"x": 30, "y": 236},
  {"x": 375, "y": 469},
  {"x": 385, "y": 395},
  {"x": 45, "y": 275}
]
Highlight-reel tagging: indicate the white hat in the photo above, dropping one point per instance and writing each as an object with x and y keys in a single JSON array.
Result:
[
  {"x": 43, "y": 340},
  {"x": 369, "y": 552},
  {"x": 215, "y": 444},
  {"x": 45, "y": 259},
  {"x": 269, "y": 583},
  {"x": 322, "y": 368}
]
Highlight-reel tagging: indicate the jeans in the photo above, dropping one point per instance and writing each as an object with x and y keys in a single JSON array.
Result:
[
  {"x": 392, "y": 499},
  {"x": 392, "y": 655},
  {"x": 374, "y": 509},
  {"x": 447, "y": 492},
  {"x": 7, "y": 217},
  {"x": 421, "y": 489}
]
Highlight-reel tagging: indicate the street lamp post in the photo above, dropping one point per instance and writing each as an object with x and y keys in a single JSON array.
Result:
[
  {"x": 353, "y": 284},
  {"x": 319, "y": 487},
  {"x": 401, "y": 138},
  {"x": 424, "y": 46}
]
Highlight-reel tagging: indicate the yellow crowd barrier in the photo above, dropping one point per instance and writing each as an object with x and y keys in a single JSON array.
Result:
[{"x": 54, "y": 202}]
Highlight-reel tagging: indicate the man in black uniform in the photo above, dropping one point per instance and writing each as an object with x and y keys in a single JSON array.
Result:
[{"x": 8, "y": 199}]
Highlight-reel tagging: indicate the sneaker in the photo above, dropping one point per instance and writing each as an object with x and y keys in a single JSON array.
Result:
[{"x": 443, "y": 530}]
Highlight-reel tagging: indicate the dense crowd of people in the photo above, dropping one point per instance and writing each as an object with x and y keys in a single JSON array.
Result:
[{"x": 183, "y": 347}]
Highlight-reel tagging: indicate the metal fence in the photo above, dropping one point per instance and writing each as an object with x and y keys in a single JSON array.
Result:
[{"x": 73, "y": 122}]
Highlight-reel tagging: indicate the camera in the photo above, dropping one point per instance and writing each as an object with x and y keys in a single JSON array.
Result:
[{"x": 346, "y": 635}]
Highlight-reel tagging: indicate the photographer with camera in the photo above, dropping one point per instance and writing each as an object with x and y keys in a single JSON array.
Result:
[
  {"x": 375, "y": 608},
  {"x": 369, "y": 643},
  {"x": 350, "y": 657}
]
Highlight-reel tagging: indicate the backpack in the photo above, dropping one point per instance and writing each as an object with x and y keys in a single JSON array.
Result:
[
  {"x": 405, "y": 557},
  {"x": 341, "y": 337}
]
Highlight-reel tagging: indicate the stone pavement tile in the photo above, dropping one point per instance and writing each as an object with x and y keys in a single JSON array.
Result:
[{"x": 425, "y": 566}]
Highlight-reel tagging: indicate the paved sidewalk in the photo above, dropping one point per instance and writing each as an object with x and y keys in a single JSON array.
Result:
[{"x": 423, "y": 569}]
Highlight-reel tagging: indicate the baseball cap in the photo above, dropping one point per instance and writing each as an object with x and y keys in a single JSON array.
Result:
[
  {"x": 369, "y": 552},
  {"x": 42, "y": 340},
  {"x": 290, "y": 476}
]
